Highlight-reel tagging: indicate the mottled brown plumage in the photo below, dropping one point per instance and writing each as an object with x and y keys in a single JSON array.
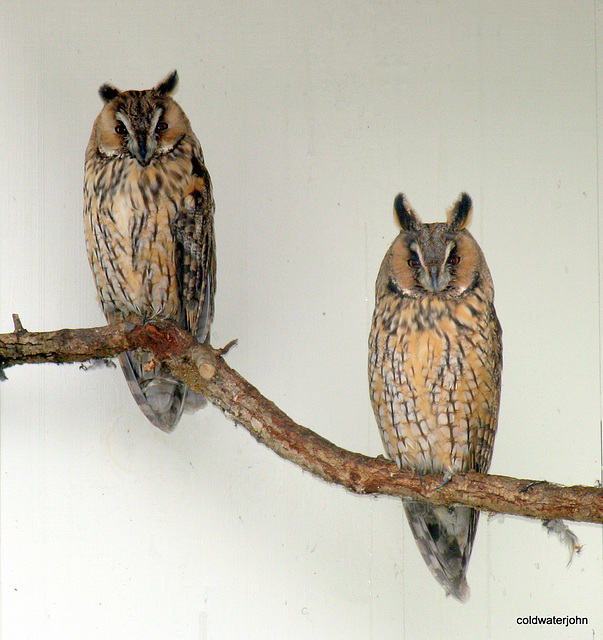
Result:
[
  {"x": 435, "y": 359},
  {"x": 148, "y": 214}
]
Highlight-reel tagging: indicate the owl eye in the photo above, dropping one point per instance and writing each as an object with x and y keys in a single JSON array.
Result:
[
  {"x": 161, "y": 126},
  {"x": 414, "y": 262},
  {"x": 453, "y": 259},
  {"x": 121, "y": 129}
]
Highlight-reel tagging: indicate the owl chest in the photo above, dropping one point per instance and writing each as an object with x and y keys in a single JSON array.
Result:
[
  {"x": 429, "y": 368},
  {"x": 430, "y": 345},
  {"x": 130, "y": 215}
]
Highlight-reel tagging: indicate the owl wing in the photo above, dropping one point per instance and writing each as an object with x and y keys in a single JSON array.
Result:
[
  {"x": 485, "y": 363},
  {"x": 196, "y": 261},
  {"x": 196, "y": 253}
]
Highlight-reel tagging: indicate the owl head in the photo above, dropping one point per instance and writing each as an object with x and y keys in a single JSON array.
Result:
[
  {"x": 437, "y": 259},
  {"x": 140, "y": 124}
]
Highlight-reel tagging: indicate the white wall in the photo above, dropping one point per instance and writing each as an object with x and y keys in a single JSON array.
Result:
[{"x": 312, "y": 117}]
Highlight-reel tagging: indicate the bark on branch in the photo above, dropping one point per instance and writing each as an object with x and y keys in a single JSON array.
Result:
[{"x": 205, "y": 371}]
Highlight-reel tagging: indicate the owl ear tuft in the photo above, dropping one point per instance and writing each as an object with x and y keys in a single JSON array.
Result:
[
  {"x": 406, "y": 215},
  {"x": 108, "y": 92},
  {"x": 167, "y": 85},
  {"x": 460, "y": 213}
]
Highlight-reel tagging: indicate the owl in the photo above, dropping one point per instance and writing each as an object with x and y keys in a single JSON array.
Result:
[
  {"x": 435, "y": 360},
  {"x": 148, "y": 217}
]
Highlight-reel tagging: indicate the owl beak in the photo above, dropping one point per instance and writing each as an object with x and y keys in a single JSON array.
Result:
[
  {"x": 434, "y": 272},
  {"x": 143, "y": 154}
]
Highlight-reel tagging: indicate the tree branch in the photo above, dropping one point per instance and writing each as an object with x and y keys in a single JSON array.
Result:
[{"x": 205, "y": 371}]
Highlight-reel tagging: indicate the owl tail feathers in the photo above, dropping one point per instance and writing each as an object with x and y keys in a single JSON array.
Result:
[
  {"x": 159, "y": 395},
  {"x": 445, "y": 539}
]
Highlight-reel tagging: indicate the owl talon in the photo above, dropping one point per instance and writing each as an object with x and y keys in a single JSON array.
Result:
[
  {"x": 445, "y": 481},
  {"x": 528, "y": 486}
]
